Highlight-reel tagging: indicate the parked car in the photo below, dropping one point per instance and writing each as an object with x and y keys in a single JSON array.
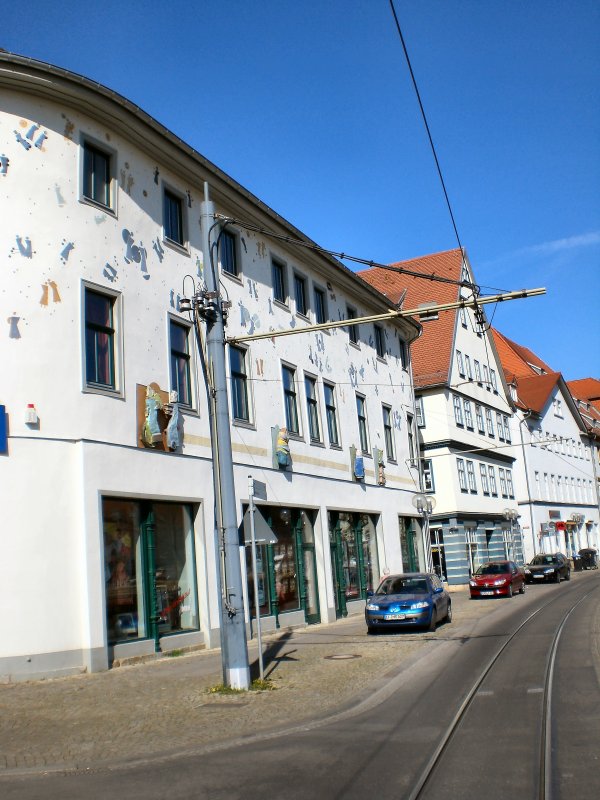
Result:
[
  {"x": 548, "y": 567},
  {"x": 497, "y": 579},
  {"x": 414, "y": 599}
]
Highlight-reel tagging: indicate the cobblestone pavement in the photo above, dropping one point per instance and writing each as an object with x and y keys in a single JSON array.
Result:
[{"x": 165, "y": 706}]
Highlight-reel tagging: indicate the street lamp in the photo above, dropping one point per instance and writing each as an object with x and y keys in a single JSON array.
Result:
[
  {"x": 425, "y": 503},
  {"x": 511, "y": 515}
]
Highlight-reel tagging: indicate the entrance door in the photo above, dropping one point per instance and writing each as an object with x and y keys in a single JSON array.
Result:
[
  {"x": 410, "y": 558},
  {"x": 307, "y": 567},
  {"x": 438, "y": 555}
]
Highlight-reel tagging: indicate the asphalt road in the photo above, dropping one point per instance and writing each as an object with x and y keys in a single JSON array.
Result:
[{"x": 379, "y": 747}]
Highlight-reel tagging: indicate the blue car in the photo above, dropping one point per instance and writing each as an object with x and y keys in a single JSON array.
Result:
[{"x": 415, "y": 599}]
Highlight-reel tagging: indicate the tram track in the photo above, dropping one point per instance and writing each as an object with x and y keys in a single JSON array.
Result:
[{"x": 425, "y": 781}]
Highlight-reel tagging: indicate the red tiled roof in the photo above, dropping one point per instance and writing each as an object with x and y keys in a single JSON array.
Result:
[
  {"x": 533, "y": 390},
  {"x": 585, "y": 388},
  {"x": 516, "y": 359},
  {"x": 431, "y": 353}
]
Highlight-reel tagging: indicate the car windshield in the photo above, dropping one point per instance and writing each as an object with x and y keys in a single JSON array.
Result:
[
  {"x": 403, "y": 586},
  {"x": 492, "y": 569},
  {"x": 541, "y": 559}
]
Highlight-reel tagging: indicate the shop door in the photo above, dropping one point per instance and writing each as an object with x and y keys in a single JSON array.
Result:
[
  {"x": 339, "y": 586},
  {"x": 438, "y": 556},
  {"x": 307, "y": 568},
  {"x": 410, "y": 559}
]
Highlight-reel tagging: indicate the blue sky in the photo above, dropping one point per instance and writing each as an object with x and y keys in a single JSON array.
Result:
[{"x": 308, "y": 104}]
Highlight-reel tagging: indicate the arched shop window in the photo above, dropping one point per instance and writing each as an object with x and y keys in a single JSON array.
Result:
[{"x": 354, "y": 559}]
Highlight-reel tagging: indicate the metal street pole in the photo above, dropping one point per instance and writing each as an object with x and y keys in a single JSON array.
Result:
[
  {"x": 255, "y": 577},
  {"x": 234, "y": 646}
]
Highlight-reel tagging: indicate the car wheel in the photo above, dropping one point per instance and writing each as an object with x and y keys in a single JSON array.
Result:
[
  {"x": 432, "y": 622},
  {"x": 568, "y": 575},
  {"x": 372, "y": 630},
  {"x": 522, "y": 589},
  {"x": 449, "y": 614},
  {"x": 510, "y": 591},
  {"x": 557, "y": 579}
]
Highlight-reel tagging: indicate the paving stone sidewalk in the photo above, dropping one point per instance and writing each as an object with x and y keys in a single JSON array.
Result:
[{"x": 165, "y": 706}]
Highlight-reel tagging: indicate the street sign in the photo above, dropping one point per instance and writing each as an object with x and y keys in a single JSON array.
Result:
[
  {"x": 260, "y": 489},
  {"x": 262, "y": 533}
]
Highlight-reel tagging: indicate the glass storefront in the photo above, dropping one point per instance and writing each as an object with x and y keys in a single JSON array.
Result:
[
  {"x": 286, "y": 570},
  {"x": 354, "y": 559},
  {"x": 149, "y": 569}
]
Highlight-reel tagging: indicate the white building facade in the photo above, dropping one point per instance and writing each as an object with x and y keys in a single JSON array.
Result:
[{"x": 107, "y": 475}]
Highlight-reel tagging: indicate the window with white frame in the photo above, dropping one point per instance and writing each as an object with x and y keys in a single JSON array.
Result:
[
  {"x": 173, "y": 225},
  {"x": 388, "y": 433},
  {"x": 507, "y": 436},
  {"x": 468, "y": 414},
  {"x": 312, "y": 408},
  {"x": 490, "y": 422},
  {"x": 558, "y": 407},
  {"x": 411, "y": 439},
  {"x": 479, "y": 417},
  {"x": 331, "y": 414},
  {"x": 492, "y": 477},
  {"x": 279, "y": 281},
  {"x": 559, "y": 487},
  {"x": 361, "y": 413},
  {"x": 463, "y": 317},
  {"x": 98, "y": 168},
  {"x": 486, "y": 377},
  {"x": 352, "y": 329},
  {"x": 468, "y": 367},
  {"x": 471, "y": 477},
  {"x": 320, "y": 305},
  {"x": 181, "y": 374},
  {"x": 404, "y": 354},
  {"x": 240, "y": 407},
  {"x": 428, "y": 482},
  {"x": 503, "y": 489},
  {"x": 484, "y": 479},
  {"x": 477, "y": 368},
  {"x": 462, "y": 474},
  {"x": 300, "y": 295},
  {"x": 493, "y": 380},
  {"x": 228, "y": 251},
  {"x": 500, "y": 425},
  {"x": 509, "y": 484},
  {"x": 458, "y": 413},
  {"x": 379, "y": 341},
  {"x": 538, "y": 487},
  {"x": 290, "y": 400},
  {"x": 420, "y": 410},
  {"x": 460, "y": 364},
  {"x": 101, "y": 339}
]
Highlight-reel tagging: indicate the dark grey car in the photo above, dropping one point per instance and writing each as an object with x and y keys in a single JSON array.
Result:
[{"x": 548, "y": 567}]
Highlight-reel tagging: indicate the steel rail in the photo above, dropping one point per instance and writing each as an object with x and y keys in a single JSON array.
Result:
[{"x": 546, "y": 745}]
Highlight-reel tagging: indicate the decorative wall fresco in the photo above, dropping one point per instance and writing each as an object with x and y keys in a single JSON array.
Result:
[
  {"x": 23, "y": 247},
  {"x": 135, "y": 253},
  {"x": 55, "y": 294},
  {"x": 59, "y": 196},
  {"x": 4, "y": 164},
  {"x": 13, "y": 322},
  {"x": 158, "y": 248},
  {"x": 110, "y": 272},
  {"x": 66, "y": 251}
]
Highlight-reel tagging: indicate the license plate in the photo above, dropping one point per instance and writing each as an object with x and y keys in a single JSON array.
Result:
[
  {"x": 538, "y": 576},
  {"x": 486, "y": 593},
  {"x": 394, "y": 616}
]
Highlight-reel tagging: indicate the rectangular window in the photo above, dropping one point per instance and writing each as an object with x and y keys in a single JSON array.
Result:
[
  {"x": 506, "y": 430},
  {"x": 173, "y": 217},
  {"x": 320, "y": 306},
  {"x": 312, "y": 406},
  {"x": 503, "y": 489},
  {"x": 420, "y": 412},
  {"x": 492, "y": 477},
  {"x": 279, "y": 282},
  {"x": 479, "y": 416},
  {"x": 331, "y": 414},
  {"x": 290, "y": 401},
  {"x": 468, "y": 414},
  {"x": 352, "y": 329},
  {"x": 493, "y": 379},
  {"x": 229, "y": 253},
  {"x": 133, "y": 531},
  {"x": 361, "y": 411},
  {"x": 463, "y": 317},
  {"x": 486, "y": 377},
  {"x": 300, "y": 295},
  {"x": 96, "y": 175},
  {"x": 404, "y": 357},
  {"x": 99, "y": 340},
  {"x": 462, "y": 475},
  {"x": 484, "y": 479},
  {"x": 471, "y": 477},
  {"x": 379, "y": 341},
  {"x": 490, "y": 422},
  {"x": 239, "y": 384},
  {"x": 388, "y": 433},
  {"x": 181, "y": 381},
  {"x": 458, "y": 414},
  {"x": 477, "y": 371},
  {"x": 428, "y": 482},
  {"x": 468, "y": 368},
  {"x": 509, "y": 484},
  {"x": 460, "y": 363},
  {"x": 411, "y": 440},
  {"x": 500, "y": 426}
]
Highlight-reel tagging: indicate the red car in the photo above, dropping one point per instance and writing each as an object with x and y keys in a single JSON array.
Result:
[{"x": 497, "y": 578}]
